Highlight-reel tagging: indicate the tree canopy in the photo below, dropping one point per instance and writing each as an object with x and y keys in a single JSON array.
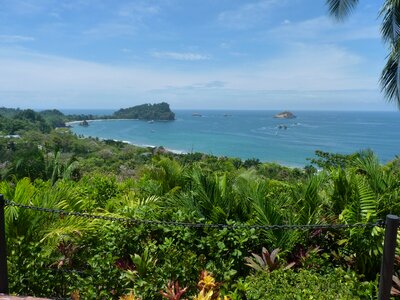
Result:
[{"x": 156, "y": 111}]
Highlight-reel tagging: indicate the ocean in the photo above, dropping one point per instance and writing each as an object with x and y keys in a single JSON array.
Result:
[{"x": 257, "y": 134}]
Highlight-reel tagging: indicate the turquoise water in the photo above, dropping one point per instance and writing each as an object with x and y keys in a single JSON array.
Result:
[{"x": 256, "y": 134}]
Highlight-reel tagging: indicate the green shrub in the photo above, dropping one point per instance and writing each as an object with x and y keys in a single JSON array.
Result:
[{"x": 308, "y": 284}]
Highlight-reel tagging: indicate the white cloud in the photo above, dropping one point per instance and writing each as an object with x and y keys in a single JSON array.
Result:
[
  {"x": 314, "y": 67},
  {"x": 25, "y": 7},
  {"x": 323, "y": 29},
  {"x": 111, "y": 30},
  {"x": 44, "y": 73},
  {"x": 66, "y": 82},
  {"x": 216, "y": 84},
  {"x": 137, "y": 9},
  {"x": 124, "y": 20},
  {"x": 50, "y": 7},
  {"x": 247, "y": 15},
  {"x": 15, "y": 38},
  {"x": 225, "y": 45},
  {"x": 274, "y": 99},
  {"x": 302, "y": 67},
  {"x": 188, "y": 56}
]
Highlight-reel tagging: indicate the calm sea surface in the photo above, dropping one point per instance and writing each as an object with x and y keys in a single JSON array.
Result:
[{"x": 256, "y": 134}]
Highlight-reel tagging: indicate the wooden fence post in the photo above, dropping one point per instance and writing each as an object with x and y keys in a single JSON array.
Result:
[
  {"x": 389, "y": 249},
  {"x": 3, "y": 249}
]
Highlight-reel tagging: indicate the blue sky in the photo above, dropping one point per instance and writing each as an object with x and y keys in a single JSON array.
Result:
[{"x": 216, "y": 54}]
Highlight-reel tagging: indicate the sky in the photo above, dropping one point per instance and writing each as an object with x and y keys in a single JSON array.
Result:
[{"x": 193, "y": 54}]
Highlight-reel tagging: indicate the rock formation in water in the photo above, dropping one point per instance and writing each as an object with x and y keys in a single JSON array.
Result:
[{"x": 285, "y": 115}]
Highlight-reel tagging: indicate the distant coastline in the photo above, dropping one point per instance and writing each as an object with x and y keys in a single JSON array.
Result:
[
  {"x": 175, "y": 151},
  {"x": 254, "y": 134},
  {"x": 96, "y": 120}
]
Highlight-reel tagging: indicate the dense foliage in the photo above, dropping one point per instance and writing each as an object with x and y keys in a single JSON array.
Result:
[
  {"x": 156, "y": 111},
  {"x": 57, "y": 255},
  {"x": 14, "y": 120},
  {"x": 308, "y": 284}
]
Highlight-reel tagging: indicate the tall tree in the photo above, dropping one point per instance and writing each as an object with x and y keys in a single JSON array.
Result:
[{"x": 390, "y": 30}]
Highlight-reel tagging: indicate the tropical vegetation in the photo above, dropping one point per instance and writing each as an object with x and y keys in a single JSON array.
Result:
[
  {"x": 156, "y": 111},
  {"x": 56, "y": 255}
]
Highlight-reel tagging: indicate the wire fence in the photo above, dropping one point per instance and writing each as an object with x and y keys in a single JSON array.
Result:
[
  {"x": 391, "y": 225},
  {"x": 380, "y": 223}
]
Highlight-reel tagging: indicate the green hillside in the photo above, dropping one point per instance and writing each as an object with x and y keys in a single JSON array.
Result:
[{"x": 156, "y": 112}]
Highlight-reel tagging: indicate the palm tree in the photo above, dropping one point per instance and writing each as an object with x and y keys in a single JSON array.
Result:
[{"x": 390, "y": 30}]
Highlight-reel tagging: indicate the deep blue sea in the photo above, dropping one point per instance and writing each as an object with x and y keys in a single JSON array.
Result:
[{"x": 256, "y": 134}]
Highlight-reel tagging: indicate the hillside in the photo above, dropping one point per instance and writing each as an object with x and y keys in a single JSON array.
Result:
[
  {"x": 156, "y": 112},
  {"x": 101, "y": 218}
]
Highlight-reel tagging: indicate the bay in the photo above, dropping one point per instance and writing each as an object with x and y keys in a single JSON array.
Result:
[{"x": 256, "y": 134}]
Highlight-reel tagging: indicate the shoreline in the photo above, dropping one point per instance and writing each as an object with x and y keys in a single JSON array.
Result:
[
  {"x": 174, "y": 151},
  {"x": 260, "y": 138},
  {"x": 182, "y": 152},
  {"x": 70, "y": 123},
  {"x": 73, "y": 124}
]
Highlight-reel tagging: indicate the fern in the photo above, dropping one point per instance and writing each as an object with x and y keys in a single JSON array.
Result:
[{"x": 364, "y": 207}]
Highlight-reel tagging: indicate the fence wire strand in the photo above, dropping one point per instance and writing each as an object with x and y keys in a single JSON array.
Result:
[{"x": 61, "y": 212}]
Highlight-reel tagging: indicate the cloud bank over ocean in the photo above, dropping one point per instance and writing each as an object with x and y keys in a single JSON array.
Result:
[{"x": 234, "y": 54}]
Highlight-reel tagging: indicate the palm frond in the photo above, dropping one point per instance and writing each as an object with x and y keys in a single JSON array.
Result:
[
  {"x": 186, "y": 203},
  {"x": 368, "y": 201},
  {"x": 248, "y": 189},
  {"x": 7, "y": 190},
  {"x": 364, "y": 207},
  {"x": 390, "y": 77},
  {"x": 67, "y": 229},
  {"x": 390, "y": 28},
  {"x": 367, "y": 163},
  {"x": 171, "y": 173},
  {"x": 24, "y": 191},
  {"x": 69, "y": 169},
  {"x": 267, "y": 213},
  {"x": 342, "y": 190},
  {"x": 340, "y": 9},
  {"x": 310, "y": 201}
]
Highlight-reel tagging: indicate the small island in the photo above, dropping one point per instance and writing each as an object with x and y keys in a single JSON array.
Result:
[
  {"x": 285, "y": 115},
  {"x": 147, "y": 112}
]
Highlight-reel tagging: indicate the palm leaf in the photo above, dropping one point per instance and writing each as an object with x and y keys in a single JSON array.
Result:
[
  {"x": 364, "y": 206},
  {"x": 367, "y": 201},
  {"x": 248, "y": 189},
  {"x": 341, "y": 191},
  {"x": 390, "y": 77},
  {"x": 367, "y": 163},
  {"x": 340, "y": 9},
  {"x": 309, "y": 200},
  {"x": 391, "y": 21}
]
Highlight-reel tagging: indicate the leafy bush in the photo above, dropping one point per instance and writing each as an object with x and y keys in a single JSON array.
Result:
[{"x": 308, "y": 284}]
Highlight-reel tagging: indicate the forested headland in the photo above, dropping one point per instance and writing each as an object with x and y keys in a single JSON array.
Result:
[
  {"x": 43, "y": 164},
  {"x": 13, "y": 120},
  {"x": 155, "y": 112}
]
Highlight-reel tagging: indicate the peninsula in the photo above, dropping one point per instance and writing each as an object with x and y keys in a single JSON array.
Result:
[
  {"x": 156, "y": 112},
  {"x": 285, "y": 115},
  {"x": 53, "y": 118}
]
